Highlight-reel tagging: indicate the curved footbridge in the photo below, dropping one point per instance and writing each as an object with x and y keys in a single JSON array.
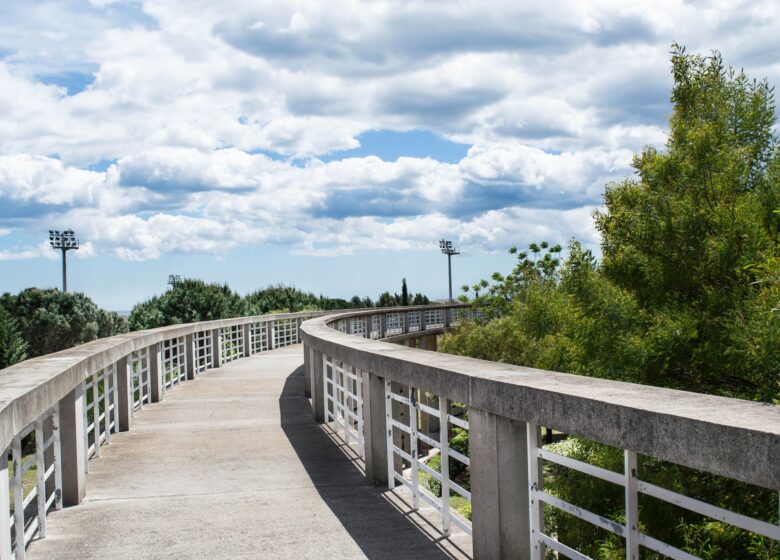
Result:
[
  {"x": 233, "y": 466},
  {"x": 317, "y": 435}
]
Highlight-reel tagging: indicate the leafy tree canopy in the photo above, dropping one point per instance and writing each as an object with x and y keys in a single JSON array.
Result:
[
  {"x": 50, "y": 320},
  {"x": 13, "y": 348},
  {"x": 188, "y": 301},
  {"x": 686, "y": 296}
]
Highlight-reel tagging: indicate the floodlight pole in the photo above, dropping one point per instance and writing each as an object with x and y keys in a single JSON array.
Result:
[
  {"x": 64, "y": 269},
  {"x": 449, "y": 272},
  {"x": 64, "y": 241},
  {"x": 447, "y": 248}
]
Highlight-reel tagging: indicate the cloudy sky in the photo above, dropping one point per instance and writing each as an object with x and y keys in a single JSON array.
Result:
[{"x": 329, "y": 144}]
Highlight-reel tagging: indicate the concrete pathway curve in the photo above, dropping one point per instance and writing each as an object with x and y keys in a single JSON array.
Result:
[{"x": 232, "y": 466}]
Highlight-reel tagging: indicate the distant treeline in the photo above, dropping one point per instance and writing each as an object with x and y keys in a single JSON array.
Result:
[
  {"x": 193, "y": 300},
  {"x": 37, "y": 321}
]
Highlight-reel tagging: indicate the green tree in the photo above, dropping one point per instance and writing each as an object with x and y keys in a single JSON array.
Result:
[
  {"x": 13, "y": 348},
  {"x": 682, "y": 236},
  {"x": 404, "y": 293},
  {"x": 386, "y": 300},
  {"x": 686, "y": 296},
  {"x": 187, "y": 302},
  {"x": 50, "y": 320}
]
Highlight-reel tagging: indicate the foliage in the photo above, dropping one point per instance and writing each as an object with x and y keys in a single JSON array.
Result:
[
  {"x": 386, "y": 299},
  {"x": 686, "y": 296},
  {"x": 194, "y": 300},
  {"x": 13, "y": 348},
  {"x": 50, "y": 320},
  {"x": 289, "y": 299},
  {"x": 188, "y": 301}
]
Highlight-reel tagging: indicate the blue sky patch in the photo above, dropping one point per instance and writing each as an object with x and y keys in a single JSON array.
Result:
[
  {"x": 74, "y": 82},
  {"x": 389, "y": 145}
]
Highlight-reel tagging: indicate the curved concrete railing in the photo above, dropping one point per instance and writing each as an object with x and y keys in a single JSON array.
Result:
[
  {"x": 393, "y": 403},
  {"x": 57, "y": 410}
]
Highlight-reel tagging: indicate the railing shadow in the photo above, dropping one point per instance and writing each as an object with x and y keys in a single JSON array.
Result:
[{"x": 375, "y": 525}]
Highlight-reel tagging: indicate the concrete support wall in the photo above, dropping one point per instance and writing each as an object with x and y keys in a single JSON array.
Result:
[
  {"x": 73, "y": 446},
  {"x": 216, "y": 349},
  {"x": 317, "y": 378},
  {"x": 246, "y": 335},
  {"x": 499, "y": 486},
  {"x": 156, "y": 373},
  {"x": 5, "y": 514},
  {"x": 124, "y": 405},
  {"x": 307, "y": 371},
  {"x": 189, "y": 349},
  {"x": 375, "y": 428}
]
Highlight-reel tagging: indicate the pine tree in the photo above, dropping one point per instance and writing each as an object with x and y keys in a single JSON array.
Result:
[
  {"x": 13, "y": 348},
  {"x": 404, "y": 293}
]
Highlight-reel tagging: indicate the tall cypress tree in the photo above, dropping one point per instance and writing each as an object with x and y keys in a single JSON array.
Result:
[{"x": 13, "y": 348}]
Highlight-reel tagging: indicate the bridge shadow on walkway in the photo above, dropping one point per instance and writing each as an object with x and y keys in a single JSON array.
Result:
[{"x": 375, "y": 524}]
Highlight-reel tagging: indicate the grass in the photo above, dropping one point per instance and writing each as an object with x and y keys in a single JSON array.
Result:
[{"x": 29, "y": 480}]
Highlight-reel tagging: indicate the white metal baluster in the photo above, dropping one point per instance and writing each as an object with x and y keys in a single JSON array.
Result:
[
  {"x": 40, "y": 471},
  {"x": 361, "y": 437},
  {"x": 86, "y": 426},
  {"x": 18, "y": 490},
  {"x": 413, "y": 448},
  {"x": 55, "y": 428},
  {"x": 344, "y": 401},
  {"x": 96, "y": 410},
  {"x": 444, "y": 445},
  {"x": 5, "y": 508},
  {"x": 534, "y": 485},
  {"x": 326, "y": 414},
  {"x": 632, "y": 505},
  {"x": 116, "y": 396},
  {"x": 108, "y": 373},
  {"x": 389, "y": 428}
]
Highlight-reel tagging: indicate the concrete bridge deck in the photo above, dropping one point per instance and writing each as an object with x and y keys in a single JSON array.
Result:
[{"x": 232, "y": 465}]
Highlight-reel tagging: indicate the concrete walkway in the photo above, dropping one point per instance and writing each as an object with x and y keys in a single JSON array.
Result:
[{"x": 232, "y": 466}]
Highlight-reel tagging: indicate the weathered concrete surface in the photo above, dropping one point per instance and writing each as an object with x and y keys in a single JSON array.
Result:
[{"x": 231, "y": 465}]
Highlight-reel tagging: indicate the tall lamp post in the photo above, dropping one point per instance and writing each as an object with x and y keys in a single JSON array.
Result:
[
  {"x": 447, "y": 248},
  {"x": 64, "y": 241}
]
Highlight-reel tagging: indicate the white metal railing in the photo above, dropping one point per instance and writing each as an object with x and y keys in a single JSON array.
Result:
[
  {"x": 258, "y": 333},
  {"x": 285, "y": 332},
  {"x": 231, "y": 343},
  {"x": 203, "y": 342},
  {"x": 419, "y": 425},
  {"x": 414, "y": 425},
  {"x": 632, "y": 486},
  {"x": 174, "y": 362},
  {"x": 394, "y": 324},
  {"x": 141, "y": 380},
  {"x": 434, "y": 318},
  {"x": 119, "y": 376},
  {"x": 414, "y": 321},
  {"x": 358, "y": 326},
  {"x": 37, "y": 448},
  {"x": 343, "y": 391},
  {"x": 100, "y": 411},
  {"x": 376, "y": 326}
]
